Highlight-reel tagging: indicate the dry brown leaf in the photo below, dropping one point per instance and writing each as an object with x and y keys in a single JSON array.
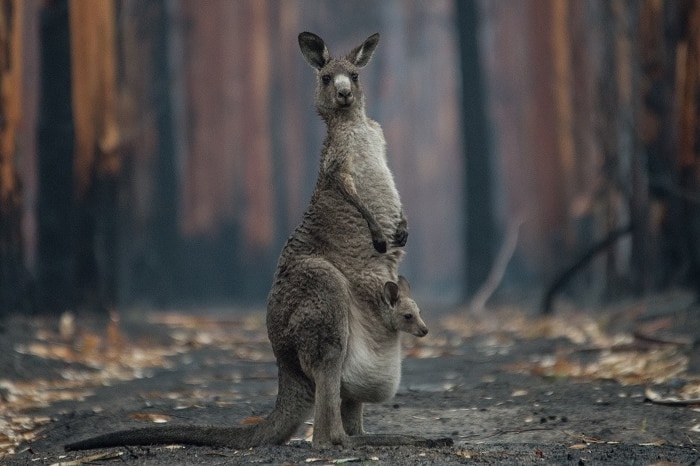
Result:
[
  {"x": 683, "y": 398},
  {"x": 656, "y": 443},
  {"x": 151, "y": 417},
  {"x": 690, "y": 390},
  {"x": 252, "y": 420}
]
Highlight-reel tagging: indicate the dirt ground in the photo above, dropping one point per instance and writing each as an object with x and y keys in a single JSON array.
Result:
[{"x": 612, "y": 386}]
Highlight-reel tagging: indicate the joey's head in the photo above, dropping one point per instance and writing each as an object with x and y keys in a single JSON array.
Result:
[
  {"x": 338, "y": 89},
  {"x": 405, "y": 315}
]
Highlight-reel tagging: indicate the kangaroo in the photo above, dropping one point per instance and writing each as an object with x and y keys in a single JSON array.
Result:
[
  {"x": 405, "y": 315},
  {"x": 399, "y": 313},
  {"x": 335, "y": 343}
]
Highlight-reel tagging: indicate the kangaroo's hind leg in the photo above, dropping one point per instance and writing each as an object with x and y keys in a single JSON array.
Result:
[
  {"x": 351, "y": 412},
  {"x": 321, "y": 335},
  {"x": 328, "y": 423},
  {"x": 319, "y": 328}
]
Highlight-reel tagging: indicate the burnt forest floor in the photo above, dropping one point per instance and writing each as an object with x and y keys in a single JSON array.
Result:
[{"x": 619, "y": 385}]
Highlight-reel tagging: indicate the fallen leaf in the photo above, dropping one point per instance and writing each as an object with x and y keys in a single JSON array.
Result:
[
  {"x": 655, "y": 397},
  {"x": 151, "y": 417},
  {"x": 656, "y": 443},
  {"x": 252, "y": 420}
]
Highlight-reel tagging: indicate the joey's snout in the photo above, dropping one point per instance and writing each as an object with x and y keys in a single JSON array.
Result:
[{"x": 421, "y": 331}]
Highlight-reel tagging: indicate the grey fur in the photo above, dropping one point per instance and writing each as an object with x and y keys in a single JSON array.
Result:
[{"x": 329, "y": 312}]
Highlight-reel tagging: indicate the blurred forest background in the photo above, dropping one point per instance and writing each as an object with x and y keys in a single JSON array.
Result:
[{"x": 159, "y": 152}]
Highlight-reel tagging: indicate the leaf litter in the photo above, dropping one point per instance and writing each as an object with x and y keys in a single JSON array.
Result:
[
  {"x": 101, "y": 357},
  {"x": 585, "y": 350}
]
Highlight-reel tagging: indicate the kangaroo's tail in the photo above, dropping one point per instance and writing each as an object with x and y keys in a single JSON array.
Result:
[{"x": 294, "y": 404}]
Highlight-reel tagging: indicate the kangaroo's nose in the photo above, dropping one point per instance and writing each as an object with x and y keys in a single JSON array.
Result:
[{"x": 344, "y": 93}]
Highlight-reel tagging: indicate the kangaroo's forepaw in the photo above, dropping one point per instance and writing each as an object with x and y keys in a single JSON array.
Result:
[
  {"x": 400, "y": 237},
  {"x": 379, "y": 245}
]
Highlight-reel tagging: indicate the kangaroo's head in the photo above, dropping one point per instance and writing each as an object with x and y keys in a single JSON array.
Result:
[
  {"x": 405, "y": 315},
  {"x": 338, "y": 89}
]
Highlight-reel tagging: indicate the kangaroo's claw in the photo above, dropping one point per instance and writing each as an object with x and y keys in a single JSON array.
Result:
[
  {"x": 379, "y": 245},
  {"x": 400, "y": 237}
]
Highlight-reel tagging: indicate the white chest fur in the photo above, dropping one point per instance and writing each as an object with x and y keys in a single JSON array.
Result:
[{"x": 370, "y": 171}]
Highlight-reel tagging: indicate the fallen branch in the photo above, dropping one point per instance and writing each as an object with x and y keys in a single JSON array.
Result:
[
  {"x": 568, "y": 273},
  {"x": 498, "y": 270}
]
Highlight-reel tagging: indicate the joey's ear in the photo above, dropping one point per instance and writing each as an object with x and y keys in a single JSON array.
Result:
[
  {"x": 391, "y": 293},
  {"x": 404, "y": 287},
  {"x": 314, "y": 50},
  {"x": 360, "y": 55}
]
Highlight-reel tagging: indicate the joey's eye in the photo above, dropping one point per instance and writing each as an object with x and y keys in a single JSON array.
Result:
[
  {"x": 354, "y": 76},
  {"x": 326, "y": 78},
  {"x": 408, "y": 317}
]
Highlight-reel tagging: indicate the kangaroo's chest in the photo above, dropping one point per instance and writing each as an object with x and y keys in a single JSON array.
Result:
[{"x": 370, "y": 171}]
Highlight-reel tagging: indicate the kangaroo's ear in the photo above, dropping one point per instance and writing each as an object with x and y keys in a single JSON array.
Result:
[
  {"x": 360, "y": 55},
  {"x": 404, "y": 287},
  {"x": 391, "y": 293},
  {"x": 314, "y": 50}
]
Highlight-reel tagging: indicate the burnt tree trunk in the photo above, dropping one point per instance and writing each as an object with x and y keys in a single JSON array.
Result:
[
  {"x": 150, "y": 260},
  {"x": 97, "y": 162},
  {"x": 55, "y": 205},
  {"x": 12, "y": 275},
  {"x": 479, "y": 224}
]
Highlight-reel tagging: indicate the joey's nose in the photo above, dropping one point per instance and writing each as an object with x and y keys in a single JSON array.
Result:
[{"x": 421, "y": 332}]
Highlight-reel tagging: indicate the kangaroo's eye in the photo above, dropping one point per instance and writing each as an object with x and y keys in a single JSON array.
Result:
[
  {"x": 408, "y": 317},
  {"x": 354, "y": 76},
  {"x": 326, "y": 78}
]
